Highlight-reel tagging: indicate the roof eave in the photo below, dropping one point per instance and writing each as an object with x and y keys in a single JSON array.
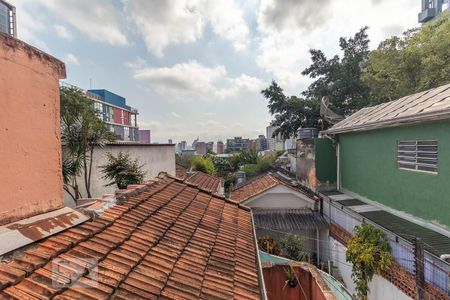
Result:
[{"x": 408, "y": 120}]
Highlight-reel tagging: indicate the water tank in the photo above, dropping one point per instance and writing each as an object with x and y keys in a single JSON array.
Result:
[
  {"x": 240, "y": 177},
  {"x": 307, "y": 133}
]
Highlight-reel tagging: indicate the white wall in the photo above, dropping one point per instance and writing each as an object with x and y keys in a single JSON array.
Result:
[
  {"x": 280, "y": 197},
  {"x": 379, "y": 287},
  {"x": 156, "y": 158}
]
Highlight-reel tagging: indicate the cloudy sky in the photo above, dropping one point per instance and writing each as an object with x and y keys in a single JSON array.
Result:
[{"x": 196, "y": 67}]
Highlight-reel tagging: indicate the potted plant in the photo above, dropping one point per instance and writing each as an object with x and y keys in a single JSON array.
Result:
[{"x": 292, "y": 279}]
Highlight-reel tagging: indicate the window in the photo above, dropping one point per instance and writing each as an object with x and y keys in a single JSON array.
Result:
[
  {"x": 418, "y": 155},
  {"x": 126, "y": 135}
]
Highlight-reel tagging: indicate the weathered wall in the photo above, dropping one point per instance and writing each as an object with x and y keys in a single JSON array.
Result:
[
  {"x": 30, "y": 171},
  {"x": 325, "y": 160},
  {"x": 310, "y": 286},
  {"x": 155, "y": 157},
  {"x": 369, "y": 168}
]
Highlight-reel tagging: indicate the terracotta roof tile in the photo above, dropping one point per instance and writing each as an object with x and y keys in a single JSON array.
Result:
[
  {"x": 180, "y": 171},
  {"x": 261, "y": 184},
  {"x": 206, "y": 182},
  {"x": 171, "y": 240}
]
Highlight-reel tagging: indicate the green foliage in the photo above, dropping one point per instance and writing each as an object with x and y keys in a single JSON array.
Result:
[
  {"x": 370, "y": 254},
  {"x": 203, "y": 164},
  {"x": 269, "y": 244},
  {"x": 290, "y": 113},
  {"x": 340, "y": 79},
  {"x": 184, "y": 161},
  {"x": 81, "y": 131},
  {"x": 122, "y": 170},
  {"x": 222, "y": 166},
  {"x": 417, "y": 61},
  {"x": 263, "y": 164},
  {"x": 293, "y": 244}
]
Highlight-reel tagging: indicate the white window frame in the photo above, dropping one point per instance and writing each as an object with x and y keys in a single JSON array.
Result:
[{"x": 418, "y": 155}]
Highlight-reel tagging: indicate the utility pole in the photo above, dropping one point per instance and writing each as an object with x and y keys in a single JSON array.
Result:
[{"x": 419, "y": 266}]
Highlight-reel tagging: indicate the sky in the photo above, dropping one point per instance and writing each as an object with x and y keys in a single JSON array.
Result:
[{"x": 195, "y": 68}]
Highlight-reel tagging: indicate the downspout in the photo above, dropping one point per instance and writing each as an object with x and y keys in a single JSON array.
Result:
[{"x": 261, "y": 276}]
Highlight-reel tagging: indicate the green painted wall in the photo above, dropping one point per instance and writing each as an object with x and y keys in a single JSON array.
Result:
[
  {"x": 369, "y": 168},
  {"x": 326, "y": 160}
]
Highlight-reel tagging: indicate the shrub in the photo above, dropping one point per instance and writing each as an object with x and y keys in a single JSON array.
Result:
[
  {"x": 269, "y": 244},
  {"x": 203, "y": 164},
  {"x": 293, "y": 244},
  {"x": 122, "y": 170}
]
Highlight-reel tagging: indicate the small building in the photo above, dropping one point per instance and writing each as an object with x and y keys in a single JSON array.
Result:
[
  {"x": 8, "y": 19},
  {"x": 431, "y": 8}
]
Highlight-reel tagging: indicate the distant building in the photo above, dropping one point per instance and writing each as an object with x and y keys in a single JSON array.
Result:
[
  {"x": 220, "y": 147},
  {"x": 237, "y": 144},
  {"x": 200, "y": 148},
  {"x": 8, "y": 19},
  {"x": 274, "y": 143},
  {"x": 120, "y": 118},
  {"x": 169, "y": 141},
  {"x": 181, "y": 146},
  {"x": 252, "y": 145},
  {"x": 145, "y": 136},
  {"x": 261, "y": 143},
  {"x": 210, "y": 147},
  {"x": 431, "y": 8}
]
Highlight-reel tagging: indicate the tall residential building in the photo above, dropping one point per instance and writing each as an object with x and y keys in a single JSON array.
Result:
[
  {"x": 220, "y": 147},
  {"x": 261, "y": 143},
  {"x": 210, "y": 147},
  {"x": 274, "y": 143},
  {"x": 182, "y": 146},
  {"x": 8, "y": 19},
  {"x": 200, "y": 148},
  {"x": 431, "y": 8},
  {"x": 145, "y": 136},
  {"x": 121, "y": 118},
  {"x": 237, "y": 144}
]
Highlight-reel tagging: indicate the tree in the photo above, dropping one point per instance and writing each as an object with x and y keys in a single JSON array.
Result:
[
  {"x": 369, "y": 252},
  {"x": 290, "y": 113},
  {"x": 122, "y": 170},
  {"x": 340, "y": 80},
  {"x": 81, "y": 131},
  {"x": 415, "y": 62},
  {"x": 203, "y": 164},
  {"x": 293, "y": 244},
  {"x": 268, "y": 244}
]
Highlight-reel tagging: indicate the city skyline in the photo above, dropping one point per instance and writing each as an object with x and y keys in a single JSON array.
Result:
[{"x": 187, "y": 72}]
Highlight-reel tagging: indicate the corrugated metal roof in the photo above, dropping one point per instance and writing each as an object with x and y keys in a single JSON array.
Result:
[
  {"x": 434, "y": 242},
  {"x": 433, "y": 104},
  {"x": 287, "y": 219}
]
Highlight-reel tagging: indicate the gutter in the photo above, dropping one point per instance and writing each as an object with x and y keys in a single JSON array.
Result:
[{"x": 260, "y": 277}]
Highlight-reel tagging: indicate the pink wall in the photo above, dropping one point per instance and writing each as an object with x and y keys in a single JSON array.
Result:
[
  {"x": 126, "y": 118},
  {"x": 30, "y": 146}
]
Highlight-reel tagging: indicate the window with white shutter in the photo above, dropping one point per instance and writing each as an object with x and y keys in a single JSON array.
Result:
[{"x": 418, "y": 155}]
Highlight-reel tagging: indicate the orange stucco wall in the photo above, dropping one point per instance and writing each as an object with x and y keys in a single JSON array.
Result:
[{"x": 30, "y": 150}]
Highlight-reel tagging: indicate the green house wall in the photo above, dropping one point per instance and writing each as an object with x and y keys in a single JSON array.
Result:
[{"x": 369, "y": 168}]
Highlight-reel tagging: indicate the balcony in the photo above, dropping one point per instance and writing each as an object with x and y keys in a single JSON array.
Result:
[{"x": 427, "y": 14}]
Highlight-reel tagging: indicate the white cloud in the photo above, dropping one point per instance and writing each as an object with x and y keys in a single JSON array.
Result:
[
  {"x": 71, "y": 59},
  {"x": 192, "y": 81},
  {"x": 175, "y": 115},
  {"x": 289, "y": 28},
  {"x": 175, "y": 22},
  {"x": 62, "y": 32},
  {"x": 100, "y": 20}
]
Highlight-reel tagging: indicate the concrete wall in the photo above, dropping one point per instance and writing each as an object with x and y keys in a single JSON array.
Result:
[
  {"x": 280, "y": 197},
  {"x": 30, "y": 172},
  {"x": 369, "y": 168},
  {"x": 156, "y": 157},
  {"x": 379, "y": 287}
]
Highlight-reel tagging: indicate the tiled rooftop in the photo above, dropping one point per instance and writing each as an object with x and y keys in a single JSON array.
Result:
[
  {"x": 167, "y": 240},
  {"x": 207, "y": 182},
  {"x": 261, "y": 184}
]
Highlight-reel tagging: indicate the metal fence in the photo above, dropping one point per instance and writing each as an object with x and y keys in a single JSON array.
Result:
[{"x": 437, "y": 272}]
